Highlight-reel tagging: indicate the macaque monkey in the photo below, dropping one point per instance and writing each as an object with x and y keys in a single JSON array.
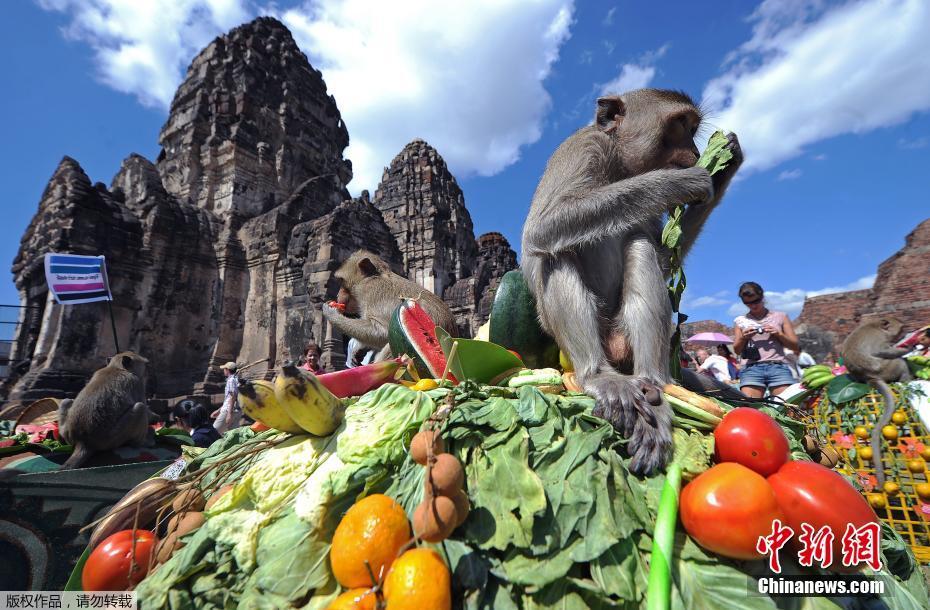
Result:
[
  {"x": 592, "y": 256},
  {"x": 109, "y": 412},
  {"x": 371, "y": 291},
  {"x": 870, "y": 357}
]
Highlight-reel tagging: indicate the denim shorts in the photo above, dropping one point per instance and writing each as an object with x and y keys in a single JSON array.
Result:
[{"x": 766, "y": 375}]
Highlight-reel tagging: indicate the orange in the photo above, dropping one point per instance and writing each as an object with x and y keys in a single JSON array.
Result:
[
  {"x": 373, "y": 530},
  {"x": 419, "y": 580},
  {"x": 354, "y": 599}
]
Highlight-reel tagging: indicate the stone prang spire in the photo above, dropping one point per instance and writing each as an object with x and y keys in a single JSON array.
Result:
[
  {"x": 424, "y": 207},
  {"x": 251, "y": 121}
]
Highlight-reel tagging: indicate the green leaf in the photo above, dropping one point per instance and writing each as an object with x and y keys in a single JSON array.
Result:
[
  {"x": 693, "y": 452},
  {"x": 479, "y": 361},
  {"x": 842, "y": 389},
  {"x": 671, "y": 234},
  {"x": 620, "y": 572},
  {"x": 507, "y": 494},
  {"x": 716, "y": 156}
]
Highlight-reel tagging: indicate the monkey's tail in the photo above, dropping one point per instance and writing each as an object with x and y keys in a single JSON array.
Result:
[
  {"x": 887, "y": 411},
  {"x": 77, "y": 458}
]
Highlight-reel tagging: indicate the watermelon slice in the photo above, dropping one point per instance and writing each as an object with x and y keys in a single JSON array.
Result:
[{"x": 413, "y": 333}]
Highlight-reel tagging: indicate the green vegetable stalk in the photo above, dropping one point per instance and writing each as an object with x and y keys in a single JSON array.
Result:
[
  {"x": 693, "y": 453},
  {"x": 715, "y": 157},
  {"x": 663, "y": 543}
]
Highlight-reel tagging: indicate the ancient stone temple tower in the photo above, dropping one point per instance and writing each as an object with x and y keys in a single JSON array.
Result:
[
  {"x": 225, "y": 247},
  {"x": 424, "y": 207}
]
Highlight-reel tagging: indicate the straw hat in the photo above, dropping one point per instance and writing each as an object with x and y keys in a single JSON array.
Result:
[{"x": 232, "y": 366}]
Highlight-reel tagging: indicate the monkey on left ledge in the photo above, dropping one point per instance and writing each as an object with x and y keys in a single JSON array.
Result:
[{"x": 109, "y": 412}]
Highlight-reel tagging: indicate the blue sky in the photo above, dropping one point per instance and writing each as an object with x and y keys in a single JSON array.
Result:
[{"x": 830, "y": 100}]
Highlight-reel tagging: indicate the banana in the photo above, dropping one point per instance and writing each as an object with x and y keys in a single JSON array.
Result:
[
  {"x": 259, "y": 402},
  {"x": 307, "y": 401},
  {"x": 148, "y": 497},
  {"x": 815, "y": 371},
  {"x": 819, "y": 382}
]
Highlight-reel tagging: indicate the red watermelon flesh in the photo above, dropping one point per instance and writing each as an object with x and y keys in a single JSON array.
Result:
[{"x": 413, "y": 333}]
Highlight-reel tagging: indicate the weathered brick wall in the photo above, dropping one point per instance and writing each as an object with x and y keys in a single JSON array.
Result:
[
  {"x": 902, "y": 287},
  {"x": 838, "y": 312}
]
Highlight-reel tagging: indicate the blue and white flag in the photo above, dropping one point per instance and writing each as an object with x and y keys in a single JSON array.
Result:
[{"x": 77, "y": 279}]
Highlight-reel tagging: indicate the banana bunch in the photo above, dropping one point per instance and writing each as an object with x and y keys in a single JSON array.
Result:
[
  {"x": 306, "y": 401},
  {"x": 817, "y": 376},
  {"x": 922, "y": 364},
  {"x": 259, "y": 402}
]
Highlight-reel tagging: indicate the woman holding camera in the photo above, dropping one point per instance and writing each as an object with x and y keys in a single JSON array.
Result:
[{"x": 761, "y": 337}]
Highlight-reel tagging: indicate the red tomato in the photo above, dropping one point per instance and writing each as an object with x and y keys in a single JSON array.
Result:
[
  {"x": 107, "y": 566},
  {"x": 727, "y": 508},
  {"x": 810, "y": 493},
  {"x": 751, "y": 438}
]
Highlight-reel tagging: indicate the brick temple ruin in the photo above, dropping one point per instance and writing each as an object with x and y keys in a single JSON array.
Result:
[
  {"x": 224, "y": 248},
  {"x": 901, "y": 289}
]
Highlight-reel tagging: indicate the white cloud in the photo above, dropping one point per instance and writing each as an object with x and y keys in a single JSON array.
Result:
[
  {"x": 631, "y": 77},
  {"x": 609, "y": 17},
  {"x": 143, "y": 48},
  {"x": 810, "y": 73},
  {"x": 790, "y": 174},
  {"x": 820, "y": 157},
  {"x": 792, "y": 300},
  {"x": 471, "y": 83},
  {"x": 714, "y": 300},
  {"x": 913, "y": 144},
  {"x": 609, "y": 46}
]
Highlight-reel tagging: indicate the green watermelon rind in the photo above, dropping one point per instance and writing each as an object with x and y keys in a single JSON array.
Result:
[
  {"x": 401, "y": 340},
  {"x": 515, "y": 325}
]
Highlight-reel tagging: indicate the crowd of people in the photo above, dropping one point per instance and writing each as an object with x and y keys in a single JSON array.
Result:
[{"x": 765, "y": 355}]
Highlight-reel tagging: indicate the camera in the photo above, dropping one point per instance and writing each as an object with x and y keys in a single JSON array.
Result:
[{"x": 759, "y": 330}]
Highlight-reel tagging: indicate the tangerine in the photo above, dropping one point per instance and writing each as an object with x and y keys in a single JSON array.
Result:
[
  {"x": 419, "y": 579},
  {"x": 354, "y": 599},
  {"x": 373, "y": 530}
]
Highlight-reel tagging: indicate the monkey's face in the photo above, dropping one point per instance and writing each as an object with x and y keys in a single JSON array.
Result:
[
  {"x": 344, "y": 297},
  {"x": 678, "y": 142},
  {"x": 893, "y": 327}
]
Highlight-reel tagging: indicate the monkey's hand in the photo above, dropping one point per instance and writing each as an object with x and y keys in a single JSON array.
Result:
[
  {"x": 635, "y": 408},
  {"x": 331, "y": 313},
  {"x": 722, "y": 178},
  {"x": 695, "y": 185}
]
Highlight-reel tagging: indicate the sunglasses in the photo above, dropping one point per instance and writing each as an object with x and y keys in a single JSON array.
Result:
[{"x": 753, "y": 302}]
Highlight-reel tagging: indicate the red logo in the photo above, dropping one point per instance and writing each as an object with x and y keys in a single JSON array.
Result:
[{"x": 860, "y": 545}]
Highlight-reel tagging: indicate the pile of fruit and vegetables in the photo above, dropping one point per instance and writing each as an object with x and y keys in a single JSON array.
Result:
[
  {"x": 471, "y": 473},
  {"x": 460, "y": 478}
]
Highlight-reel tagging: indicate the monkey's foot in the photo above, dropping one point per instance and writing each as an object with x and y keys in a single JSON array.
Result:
[{"x": 634, "y": 406}]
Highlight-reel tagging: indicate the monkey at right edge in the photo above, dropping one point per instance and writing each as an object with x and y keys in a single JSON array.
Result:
[
  {"x": 870, "y": 357},
  {"x": 109, "y": 412},
  {"x": 593, "y": 260}
]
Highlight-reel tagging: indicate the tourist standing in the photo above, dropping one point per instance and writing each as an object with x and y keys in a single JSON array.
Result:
[
  {"x": 229, "y": 415},
  {"x": 761, "y": 338}
]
